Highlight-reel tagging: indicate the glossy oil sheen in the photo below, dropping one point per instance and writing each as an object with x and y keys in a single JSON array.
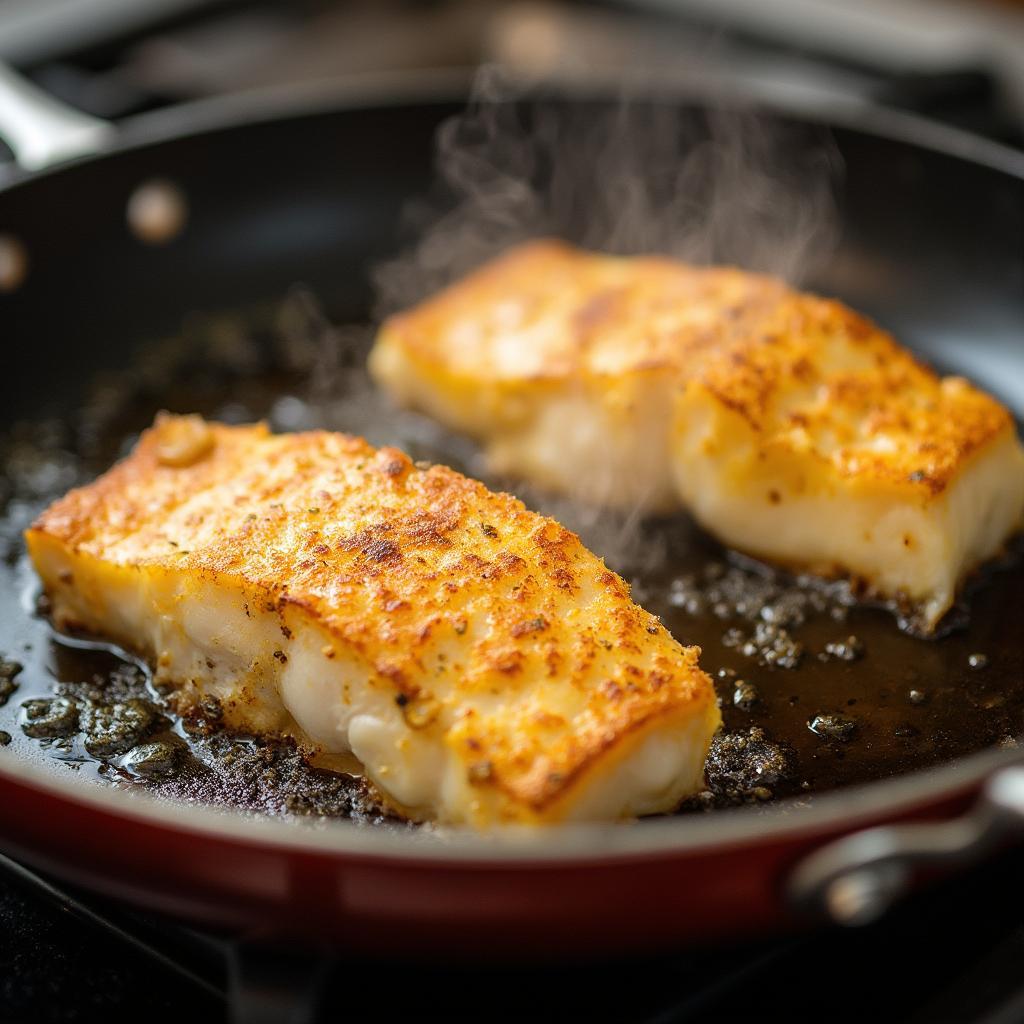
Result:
[
  {"x": 912, "y": 702},
  {"x": 930, "y": 246}
]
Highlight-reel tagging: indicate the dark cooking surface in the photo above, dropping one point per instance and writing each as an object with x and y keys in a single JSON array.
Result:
[
  {"x": 816, "y": 691},
  {"x": 929, "y": 246}
]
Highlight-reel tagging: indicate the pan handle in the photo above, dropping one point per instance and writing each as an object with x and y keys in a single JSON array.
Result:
[
  {"x": 855, "y": 879},
  {"x": 41, "y": 130}
]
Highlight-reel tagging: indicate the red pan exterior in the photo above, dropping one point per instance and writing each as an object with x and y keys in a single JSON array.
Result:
[{"x": 439, "y": 906}]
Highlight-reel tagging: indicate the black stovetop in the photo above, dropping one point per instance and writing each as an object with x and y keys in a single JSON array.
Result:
[{"x": 951, "y": 955}]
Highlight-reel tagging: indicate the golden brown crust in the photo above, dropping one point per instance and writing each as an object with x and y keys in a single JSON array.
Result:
[
  {"x": 811, "y": 376},
  {"x": 450, "y": 592}
]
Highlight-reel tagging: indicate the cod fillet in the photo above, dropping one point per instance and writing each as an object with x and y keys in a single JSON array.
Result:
[
  {"x": 791, "y": 427},
  {"x": 476, "y": 658}
]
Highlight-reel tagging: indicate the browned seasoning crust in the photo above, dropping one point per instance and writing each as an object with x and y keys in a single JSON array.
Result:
[
  {"x": 809, "y": 374},
  {"x": 875, "y": 414},
  {"x": 488, "y": 623}
]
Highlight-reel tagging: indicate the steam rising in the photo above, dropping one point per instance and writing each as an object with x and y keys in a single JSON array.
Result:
[{"x": 630, "y": 176}]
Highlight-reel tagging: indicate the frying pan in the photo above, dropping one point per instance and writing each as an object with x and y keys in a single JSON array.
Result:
[{"x": 309, "y": 185}]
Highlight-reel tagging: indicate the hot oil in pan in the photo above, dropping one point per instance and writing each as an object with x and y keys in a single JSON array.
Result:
[{"x": 817, "y": 692}]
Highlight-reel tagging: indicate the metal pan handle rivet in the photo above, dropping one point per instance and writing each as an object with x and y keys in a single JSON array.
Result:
[
  {"x": 855, "y": 879},
  {"x": 860, "y": 897}
]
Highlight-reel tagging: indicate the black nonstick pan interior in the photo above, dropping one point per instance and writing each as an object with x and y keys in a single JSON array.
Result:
[{"x": 262, "y": 308}]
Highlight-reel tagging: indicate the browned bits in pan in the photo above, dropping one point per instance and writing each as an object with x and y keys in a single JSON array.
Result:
[
  {"x": 833, "y": 727},
  {"x": 900, "y": 683}
]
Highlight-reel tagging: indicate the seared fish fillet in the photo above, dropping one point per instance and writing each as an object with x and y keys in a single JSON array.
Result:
[
  {"x": 481, "y": 663},
  {"x": 791, "y": 427}
]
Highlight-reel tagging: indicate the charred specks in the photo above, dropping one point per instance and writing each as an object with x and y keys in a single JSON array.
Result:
[
  {"x": 489, "y": 531},
  {"x": 402, "y": 699},
  {"x": 659, "y": 679},
  {"x": 505, "y": 564},
  {"x": 562, "y": 578},
  {"x": 286, "y": 632},
  {"x": 803, "y": 368},
  {"x": 5, "y": 738},
  {"x": 281, "y": 657},
  {"x": 460, "y": 626},
  {"x": 380, "y": 549},
  {"x": 511, "y": 563},
  {"x": 611, "y": 689},
  {"x": 373, "y": 544},
  {"x": 535, "y": 625}
]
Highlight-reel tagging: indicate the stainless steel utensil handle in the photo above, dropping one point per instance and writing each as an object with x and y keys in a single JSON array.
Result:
[
  {"x": 42, "y": 131},
  {"x": 854, "y": 879}
]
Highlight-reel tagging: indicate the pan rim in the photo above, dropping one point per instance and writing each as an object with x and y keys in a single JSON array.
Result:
[
  {"x": 844, "y": 808},
  {"x": 388, "y": 90}
]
